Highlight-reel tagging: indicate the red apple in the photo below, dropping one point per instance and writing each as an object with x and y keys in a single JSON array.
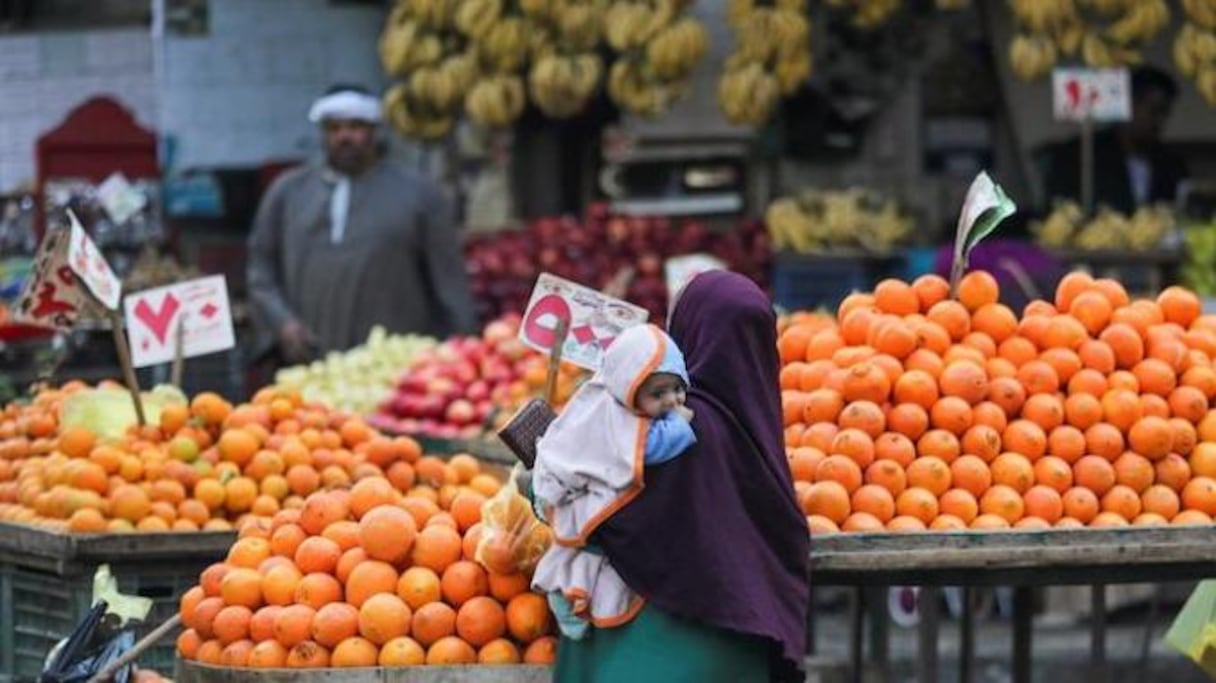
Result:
[{"x": 460, "y": 412}]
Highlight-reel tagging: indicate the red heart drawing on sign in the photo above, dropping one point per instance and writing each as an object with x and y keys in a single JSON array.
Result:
[{"x": 158, "y": 321}]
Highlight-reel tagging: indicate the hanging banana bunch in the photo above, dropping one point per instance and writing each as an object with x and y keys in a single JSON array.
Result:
[
  {"x": 658, "y": 47},
  {"x": 1195, "y": 47},
  {"x": 563, "y": 37},
  {"x": 496, "y": 101},
  {"x": 772, "y": 58},
  {"x": 560, "y": 86},
  {"x": 406, "y": 44},
  {"x": 408, "y": 115},
  {"x": 815, "y": 220},
  {"x": 1101, "y": 33}
]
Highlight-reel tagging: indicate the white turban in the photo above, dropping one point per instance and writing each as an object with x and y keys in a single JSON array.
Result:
[{"x": 346, "y": 105}]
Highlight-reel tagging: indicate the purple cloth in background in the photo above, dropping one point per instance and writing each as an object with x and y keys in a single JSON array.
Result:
[
  {"x": 993, "y": 256},
  {"x": 717, "y": 535}
]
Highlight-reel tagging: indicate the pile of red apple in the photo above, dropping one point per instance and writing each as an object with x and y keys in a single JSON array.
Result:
[
  {"x": 451, "y": 391},
  {"x": 503, "y": 267}
]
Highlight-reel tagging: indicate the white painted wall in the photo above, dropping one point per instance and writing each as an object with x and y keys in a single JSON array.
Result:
[
  {"x": 43, "y": 76},
  {"x": 240, "y": 95},
  {"x": 236, "y": 96}
]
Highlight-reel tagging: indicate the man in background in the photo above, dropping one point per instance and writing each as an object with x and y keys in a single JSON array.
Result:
[
  {"x": 1132, "y": 168},
  {"x": 354, "y": 240}
]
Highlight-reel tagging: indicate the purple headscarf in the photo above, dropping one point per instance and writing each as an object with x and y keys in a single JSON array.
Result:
[{"x": 717, "y": 535}]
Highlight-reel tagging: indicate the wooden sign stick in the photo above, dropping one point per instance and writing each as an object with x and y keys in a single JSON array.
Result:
[
  {"x": 179, "y": 356},
  {"x": 555, "y": 361},
  {"x": 124, "y": 360}
]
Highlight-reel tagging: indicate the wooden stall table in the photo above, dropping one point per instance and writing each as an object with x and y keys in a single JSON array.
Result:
[{"x": 1023, "y": 559}]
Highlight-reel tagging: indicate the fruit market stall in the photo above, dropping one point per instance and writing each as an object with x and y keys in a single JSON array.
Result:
[{"x": 1023, "y": 559}]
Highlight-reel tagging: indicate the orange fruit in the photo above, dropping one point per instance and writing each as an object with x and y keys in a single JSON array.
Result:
[
  {"x": 528, "y": 617},
  {"x": 1070, "y": 287},
  {"x": 887, "y": 473},
  {"x": 822, "y": 405},
  {"x": 1123, "y": 501},
  {"x": 1094, "y": 473},
  {"x": 307, "y": 655},
  {"x": 499, "y": 651},
  {"x": 1004, "y": 502},
  {"x": 387, "y": 533},
  {"x": 1187, "y": 517},
  {"x": 402, "y": 651},
  {"x": 1125, "y": 342},
  {"x": 1151, "y": 437},
  {"x": 971, "y": 473},
  {"x": 1173, "y": 471},
  {"x": 463, "y": 581},
  {"x": 367, "y": 579},
  {"x": 864, "y": 416},
  {"x": 907, "y": 419},
  {"x": 919, "y": 503},
  {"x": 960, "y": 504},
  {"x": 939, "y": 443},
  {"x": 862, "y": 522},
  {"x": 317, "y": 554},
  {"x": 334, "y": 623},
  {"x": 854, "y": 444},
  {"x": 1200, "y": 494},
  {"x": 432, "y": 622},
  {"x": 1104, "y": 440},
  {"x": 1025, "y": 438},
  {"x": 317, "y": 590},
  {"x": 419, "y": 586},
  {"x": 929, "y": 473},
  {"x": 293, "y": 623},
  {"x": 1179, "y": 305},
  {"x": 1043, "y": 502},
  {"x": 450, "y": 651},
  {"x": 829, "y": 499},
  {"x": 1083, "y": 410},
  {"x": 1014, "y": 470},
  {"x": 840, "y": 469},
  {"x": 384, "y": 618},
  {"x": 874, "y": 500},
  {"x": 1093, "y": 310},
  {"x": 1160, "y": 500},
  {"x": 480, "y": 621},
  {"x": 1053, "y": 472},
  {"x": 930, "y": 289},
  {"x": 242, "y": 586}
]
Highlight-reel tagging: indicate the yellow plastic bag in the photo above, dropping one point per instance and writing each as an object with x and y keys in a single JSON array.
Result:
[
  {"x": 513, "y": 539},
  {"x": 1193, "y": 632}
]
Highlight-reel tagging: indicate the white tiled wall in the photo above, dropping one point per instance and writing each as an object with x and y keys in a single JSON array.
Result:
[
  {"x": 240, "y": 94},
  {"x": 44, "y": 76},
  {"x": 236, "y": 96}
]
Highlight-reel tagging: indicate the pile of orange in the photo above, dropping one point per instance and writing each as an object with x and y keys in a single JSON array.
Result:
[
  {"x": 914, "y": 410},
  {"x": 365, "y": 577},
  {"x": 203, "y": 466}
]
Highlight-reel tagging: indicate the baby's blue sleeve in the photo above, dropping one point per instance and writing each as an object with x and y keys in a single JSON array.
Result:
[{"x": 669, "y": 436}]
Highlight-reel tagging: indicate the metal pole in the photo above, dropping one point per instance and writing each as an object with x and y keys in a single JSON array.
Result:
[
  {"x": 1023, "y": 633},
  {"x": 928, "y": 604}
]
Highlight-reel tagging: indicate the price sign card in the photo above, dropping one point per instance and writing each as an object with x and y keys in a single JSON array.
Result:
[
  {"x": 52, "y": 296},
  {"x": 196, "y": 310},
  {"x": 88, "y": 263},
  {"x": 592, "y": 318},
  {"x": 1101, "y": 95}
]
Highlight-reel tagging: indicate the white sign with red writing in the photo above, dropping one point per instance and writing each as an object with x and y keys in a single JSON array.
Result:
[
  {"x": 196, "y": 310},
  {"x": 1095, "y": 94},
  {"x": 593, "y": 319},
  {"x": 52, "y": 297},
  {"x": 87, "y": 261}
]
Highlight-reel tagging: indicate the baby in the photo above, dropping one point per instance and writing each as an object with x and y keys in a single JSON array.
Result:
[{"x": 590, "y": 463}]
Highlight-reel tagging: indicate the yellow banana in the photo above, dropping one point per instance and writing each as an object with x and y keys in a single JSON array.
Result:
[
  {"x": 475, "y": 18},
  {"x": 748, "y": 95},
  {"x": 675, "y": 51},
  {"x": 1201, "y": 12},
  {"x": 1142, "y": 21},
  {"x": 579, "y": 24},
  {"x": 505, "y": 46},
  {"x": 496, "y": 101},
  {"x": 1205, "y": 82},
  {"x": 1031, "y": 56},
  {"x": 409, "y": 120}
]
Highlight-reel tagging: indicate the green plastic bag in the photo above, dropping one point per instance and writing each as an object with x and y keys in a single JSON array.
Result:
[{"x": 1193, "y": 632}]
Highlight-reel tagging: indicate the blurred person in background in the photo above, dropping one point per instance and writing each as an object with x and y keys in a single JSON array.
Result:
[
  {"x": 1132, "y": 167},
  {"x": 351, "y": 241}
]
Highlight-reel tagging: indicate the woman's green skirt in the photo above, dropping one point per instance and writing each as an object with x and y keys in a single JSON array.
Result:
[{"x": 659, "y": 647}]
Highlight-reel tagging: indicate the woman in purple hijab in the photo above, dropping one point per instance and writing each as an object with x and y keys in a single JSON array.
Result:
[{"x": 716, "y": 543}]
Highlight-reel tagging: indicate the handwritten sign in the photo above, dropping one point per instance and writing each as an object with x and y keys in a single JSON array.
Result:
[
  {"x": 88, "y": 263},
  {"x": 593, "y": 319},
  {"x": 1095, "y": 94},
  {"x": 52, "y": 297},
  {"x": 680, "y": 270},
  {"x": 198, "y": 308}
]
